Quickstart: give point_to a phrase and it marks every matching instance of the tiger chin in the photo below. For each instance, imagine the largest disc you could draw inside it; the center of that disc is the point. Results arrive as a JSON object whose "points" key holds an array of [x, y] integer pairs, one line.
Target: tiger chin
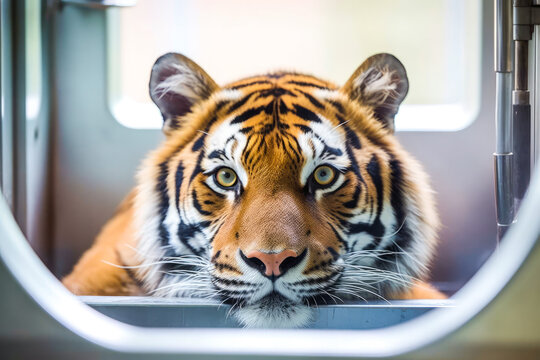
{"points": [[274, 194]]}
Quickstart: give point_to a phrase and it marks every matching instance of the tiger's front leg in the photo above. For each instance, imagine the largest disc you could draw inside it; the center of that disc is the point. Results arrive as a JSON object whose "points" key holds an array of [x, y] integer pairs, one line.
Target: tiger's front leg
{"points": [[103, 269]]}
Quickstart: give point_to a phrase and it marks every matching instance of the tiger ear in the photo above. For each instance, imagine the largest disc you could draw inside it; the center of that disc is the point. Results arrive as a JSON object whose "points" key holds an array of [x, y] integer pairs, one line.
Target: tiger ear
{"points": [[176, 85], [380, 82]]}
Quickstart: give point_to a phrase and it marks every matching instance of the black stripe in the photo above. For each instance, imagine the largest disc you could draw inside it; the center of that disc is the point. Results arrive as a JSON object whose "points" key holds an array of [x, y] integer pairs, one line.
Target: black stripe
{"points": [[234, 297], [305, 83], [339, 238], [247, 149], [179, 178], [214, 117], [213, 191], [397, 200], [251, 83], [305, 129], [274, 92], [403, 237], [354, 165], [198, 168], [220, 104], [353, 203], [188, 231], [283, 109], [337, 105], [239, 103], [375, 229], [223, 266], [344, 214], [345, 183], [197, 145], [297, 146], [197, 205], [218, 154], [352, 138], [312, 281], [312, 99], [161, 188], [246, 115], [330, 150], [333, 252], [396, 174], [374, 170], [228, 282], [287, 144], [306, 114]]}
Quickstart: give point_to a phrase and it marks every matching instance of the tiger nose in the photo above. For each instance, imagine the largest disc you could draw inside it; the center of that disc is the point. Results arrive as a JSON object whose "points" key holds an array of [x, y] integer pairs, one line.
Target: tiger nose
{"points": [[273, 264]]}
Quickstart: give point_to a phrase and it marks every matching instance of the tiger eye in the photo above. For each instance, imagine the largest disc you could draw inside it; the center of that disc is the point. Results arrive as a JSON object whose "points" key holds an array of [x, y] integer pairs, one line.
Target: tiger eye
{"points": [[226, 177], [324, 175]]}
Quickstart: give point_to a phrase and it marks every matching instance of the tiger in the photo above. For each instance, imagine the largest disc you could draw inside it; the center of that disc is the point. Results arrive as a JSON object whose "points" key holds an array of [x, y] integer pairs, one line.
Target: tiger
{"points": [[274, 194]]}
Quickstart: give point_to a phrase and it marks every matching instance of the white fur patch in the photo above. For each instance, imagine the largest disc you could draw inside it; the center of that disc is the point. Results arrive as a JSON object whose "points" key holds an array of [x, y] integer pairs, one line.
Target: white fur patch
{"points": [[326, 94], [268, 314], [378, 85], [184, 82], [228, 95], [147, 223]]}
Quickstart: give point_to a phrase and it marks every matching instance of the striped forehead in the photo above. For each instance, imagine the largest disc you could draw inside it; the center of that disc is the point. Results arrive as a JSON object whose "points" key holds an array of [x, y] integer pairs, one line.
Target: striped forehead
{"points": [[303, 127]]}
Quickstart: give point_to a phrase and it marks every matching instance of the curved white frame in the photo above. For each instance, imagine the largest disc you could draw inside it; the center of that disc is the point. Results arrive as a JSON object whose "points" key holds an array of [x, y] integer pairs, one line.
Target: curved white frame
{"points": [[47, 291]]}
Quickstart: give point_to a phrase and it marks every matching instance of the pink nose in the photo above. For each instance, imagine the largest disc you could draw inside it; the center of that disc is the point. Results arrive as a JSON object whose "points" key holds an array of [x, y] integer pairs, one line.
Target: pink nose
{"points": [[272, 261]]}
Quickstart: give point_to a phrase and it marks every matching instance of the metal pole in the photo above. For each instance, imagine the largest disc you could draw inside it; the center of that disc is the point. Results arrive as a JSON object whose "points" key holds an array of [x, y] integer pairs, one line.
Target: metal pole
{"points": [[521, 107], [503, 156]]}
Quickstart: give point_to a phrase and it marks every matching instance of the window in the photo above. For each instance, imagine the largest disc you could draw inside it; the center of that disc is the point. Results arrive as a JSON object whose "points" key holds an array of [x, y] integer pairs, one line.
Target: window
{"points": [[33, 59], [438, 42]]}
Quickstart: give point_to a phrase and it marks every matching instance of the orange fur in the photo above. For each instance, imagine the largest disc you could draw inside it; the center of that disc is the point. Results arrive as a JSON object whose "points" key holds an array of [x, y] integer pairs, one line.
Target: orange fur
{"points": [[94, 274], [420, 290]]}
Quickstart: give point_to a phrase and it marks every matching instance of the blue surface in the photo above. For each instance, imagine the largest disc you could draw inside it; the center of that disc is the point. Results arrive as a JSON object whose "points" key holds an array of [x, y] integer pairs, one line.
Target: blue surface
{"points": [[157, 312]]}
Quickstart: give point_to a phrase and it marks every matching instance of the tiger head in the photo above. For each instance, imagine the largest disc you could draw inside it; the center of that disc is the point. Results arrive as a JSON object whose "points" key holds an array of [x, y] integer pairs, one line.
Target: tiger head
{"points": [[281, 191]]}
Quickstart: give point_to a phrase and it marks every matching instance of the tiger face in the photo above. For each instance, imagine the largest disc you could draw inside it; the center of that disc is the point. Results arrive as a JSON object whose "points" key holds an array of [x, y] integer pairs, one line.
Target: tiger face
{"points": [[281, 191]]}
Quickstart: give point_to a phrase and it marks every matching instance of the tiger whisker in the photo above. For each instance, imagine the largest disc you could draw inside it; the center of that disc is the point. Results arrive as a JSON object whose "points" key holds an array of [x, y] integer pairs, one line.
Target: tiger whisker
{"points": [[362, 281], [229, 313], [375, 275], [350, 292], [137, 266], [378, 278], [333, 297], [375, 285], [343, 123], [416, 261], [351, 286], [395, 233], [184, 283]]}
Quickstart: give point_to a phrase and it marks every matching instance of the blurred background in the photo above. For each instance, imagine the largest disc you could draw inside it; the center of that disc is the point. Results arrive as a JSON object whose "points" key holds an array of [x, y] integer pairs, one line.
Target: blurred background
{"points": [[438, 41]]}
